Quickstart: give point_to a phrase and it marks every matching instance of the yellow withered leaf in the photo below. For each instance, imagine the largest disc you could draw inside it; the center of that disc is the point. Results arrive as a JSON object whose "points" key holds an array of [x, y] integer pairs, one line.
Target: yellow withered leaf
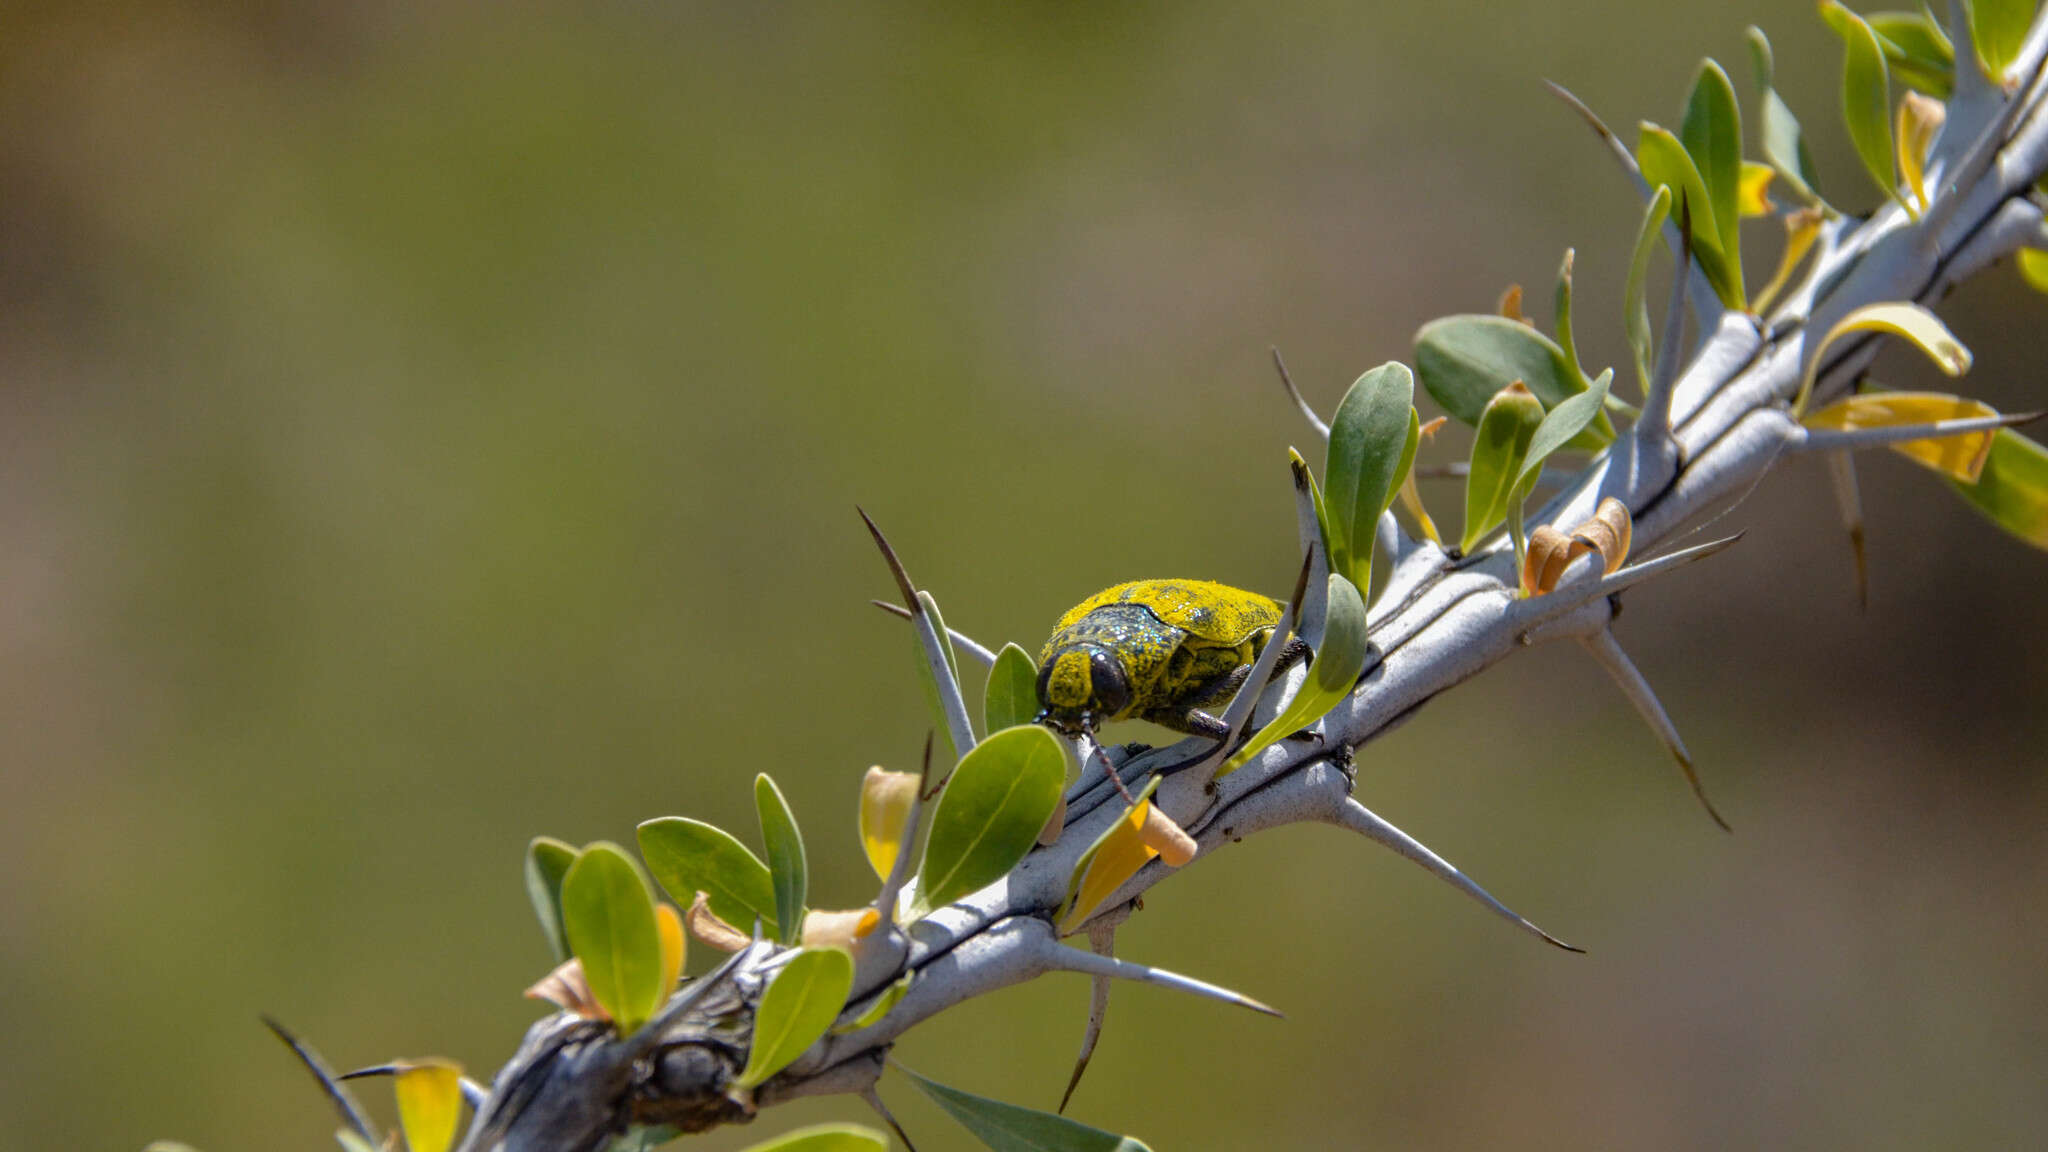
{"points": [[1920, 118], [886, 800], [1898, 318], [429, 1104], [1510, 304], [567, 988], [1169, 840], [1609, 532], [1802, 228], [1549, 553], [705, 925], [1753, 192], [838, 929], [668, 925], [1960, 456], [1114, 859]]}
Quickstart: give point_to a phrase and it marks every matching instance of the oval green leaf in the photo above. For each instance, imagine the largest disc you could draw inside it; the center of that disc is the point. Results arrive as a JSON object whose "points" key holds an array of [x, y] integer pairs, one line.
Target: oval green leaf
{"points": [[1712, 134], [1505, 429], [1368, 438], [1330, 678], [608, 914], [1917, 51], [1012, 695], [690, 856], [2012, 488], [2000, 29], [1464, 360], [1013, 1128], [801, 1002], [990, 814], [879, 1007], [825, 1138], [1635, 306], [1866, 96], [1561, 425], [1783, 145], [547, 861], [1666, 163], [787, 870]]}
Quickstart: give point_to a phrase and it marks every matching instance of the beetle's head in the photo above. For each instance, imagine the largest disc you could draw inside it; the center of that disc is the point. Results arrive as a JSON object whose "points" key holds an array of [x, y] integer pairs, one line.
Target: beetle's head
{"points": [[1080, 686]]}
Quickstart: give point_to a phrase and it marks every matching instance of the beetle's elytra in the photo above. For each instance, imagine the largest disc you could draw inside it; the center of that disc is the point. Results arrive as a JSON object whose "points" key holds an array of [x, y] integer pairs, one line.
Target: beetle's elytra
{"points": [[1158, 650]]}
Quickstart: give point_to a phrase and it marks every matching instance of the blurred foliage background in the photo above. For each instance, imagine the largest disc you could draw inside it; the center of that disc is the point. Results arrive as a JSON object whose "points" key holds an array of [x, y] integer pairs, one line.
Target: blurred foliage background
{"points": [[431, 425]]}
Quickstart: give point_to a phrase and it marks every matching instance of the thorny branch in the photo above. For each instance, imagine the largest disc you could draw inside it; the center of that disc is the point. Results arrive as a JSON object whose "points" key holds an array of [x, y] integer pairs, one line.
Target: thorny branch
{"points": [[1440, 620]]}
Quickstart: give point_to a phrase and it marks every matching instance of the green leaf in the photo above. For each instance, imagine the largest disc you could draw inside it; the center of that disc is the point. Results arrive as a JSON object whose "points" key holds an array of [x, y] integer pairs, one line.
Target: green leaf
{"points": [[547, 861], [890, 997], [1409, 446], [1917, 51], [1013, 1128], [801, 1002], [608, 913], [825, 1138], [990, 814], [1561, 322], [1665, 162], [1464, 360], [933, 697], [1561, 425], [1012, 695], [1368, 437], [1505, 429], [1783, 145], [1866, 96], [787, 869], [2000, 29], [1331, 676], [1712, 135], [1635, 305], [690, 856], [2013, 487]]}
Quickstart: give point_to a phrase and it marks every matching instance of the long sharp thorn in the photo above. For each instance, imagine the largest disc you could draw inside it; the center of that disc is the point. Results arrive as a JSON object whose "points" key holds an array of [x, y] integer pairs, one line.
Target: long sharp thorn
{"points": [[1540, 610], [1362, 820], [1849, 502], [874, 1100], [1287, 382], [903, 583], [1841, 439], [473, 1093], [1239, 712], [979, 653], [960, 728], [1608, 652], [1102, 938], [344, 1103], [1607, 136], [1061, 958]]}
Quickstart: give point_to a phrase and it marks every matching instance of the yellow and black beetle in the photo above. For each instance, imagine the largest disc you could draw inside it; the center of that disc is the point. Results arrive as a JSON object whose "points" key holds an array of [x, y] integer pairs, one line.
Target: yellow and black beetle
{"points": [[1158, 650]]}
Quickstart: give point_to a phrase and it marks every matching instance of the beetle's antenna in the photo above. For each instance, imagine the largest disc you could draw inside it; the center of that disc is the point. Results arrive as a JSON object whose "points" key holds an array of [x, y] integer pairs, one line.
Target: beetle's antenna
{"points": [[1099, 750]]}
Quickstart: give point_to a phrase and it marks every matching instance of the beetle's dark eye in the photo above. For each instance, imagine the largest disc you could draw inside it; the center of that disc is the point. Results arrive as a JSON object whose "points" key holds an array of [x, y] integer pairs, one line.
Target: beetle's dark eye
{"points": [[1112, 689]]}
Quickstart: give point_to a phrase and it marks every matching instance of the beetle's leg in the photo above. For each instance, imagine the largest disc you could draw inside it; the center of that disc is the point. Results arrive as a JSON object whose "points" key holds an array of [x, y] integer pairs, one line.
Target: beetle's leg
{"points": [[1188, 716]]}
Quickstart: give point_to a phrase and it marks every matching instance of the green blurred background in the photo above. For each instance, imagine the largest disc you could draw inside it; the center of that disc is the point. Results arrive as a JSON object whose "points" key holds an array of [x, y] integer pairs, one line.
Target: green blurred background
{"points": [[429, 425]]}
